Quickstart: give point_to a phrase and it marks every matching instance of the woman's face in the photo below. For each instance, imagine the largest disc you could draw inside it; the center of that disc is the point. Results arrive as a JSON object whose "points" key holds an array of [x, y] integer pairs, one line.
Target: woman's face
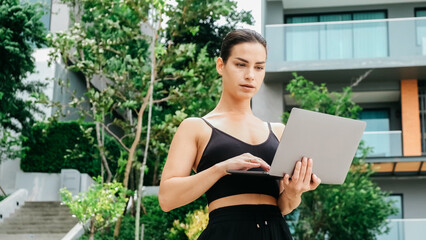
{"points": [[244, 71]]}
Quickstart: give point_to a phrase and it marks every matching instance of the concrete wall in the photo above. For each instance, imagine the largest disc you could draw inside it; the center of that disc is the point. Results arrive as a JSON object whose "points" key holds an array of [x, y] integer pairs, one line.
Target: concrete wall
{"points": [[413, 190], [268, 103], [45, 186]]}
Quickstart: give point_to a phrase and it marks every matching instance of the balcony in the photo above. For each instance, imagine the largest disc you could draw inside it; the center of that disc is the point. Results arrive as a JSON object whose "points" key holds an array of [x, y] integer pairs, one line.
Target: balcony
{"points": [[346, 44], [384, 143], [405, 229]]}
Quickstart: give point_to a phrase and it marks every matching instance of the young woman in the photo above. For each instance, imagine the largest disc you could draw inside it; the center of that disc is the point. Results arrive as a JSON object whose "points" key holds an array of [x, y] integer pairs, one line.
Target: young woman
{"points": [[231, 138]]}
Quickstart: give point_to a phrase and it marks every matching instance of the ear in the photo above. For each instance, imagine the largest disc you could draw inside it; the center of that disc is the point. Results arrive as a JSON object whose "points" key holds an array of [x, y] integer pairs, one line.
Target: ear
{"points": [[219, 65]]}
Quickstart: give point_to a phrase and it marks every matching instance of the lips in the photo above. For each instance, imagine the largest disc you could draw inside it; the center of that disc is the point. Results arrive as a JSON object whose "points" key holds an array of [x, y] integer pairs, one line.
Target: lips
{"points": [[246, 85]]}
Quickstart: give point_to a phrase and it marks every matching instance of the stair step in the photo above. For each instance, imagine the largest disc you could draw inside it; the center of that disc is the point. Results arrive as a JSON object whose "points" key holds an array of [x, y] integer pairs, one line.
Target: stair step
{"points": [[38, 220], [41, 203], [44, 213], [35, 230], [52, 236]]}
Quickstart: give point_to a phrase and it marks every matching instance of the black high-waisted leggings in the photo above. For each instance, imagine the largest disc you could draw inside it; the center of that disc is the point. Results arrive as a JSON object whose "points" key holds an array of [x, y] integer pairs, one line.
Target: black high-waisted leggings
{"points": [[257, 222]]}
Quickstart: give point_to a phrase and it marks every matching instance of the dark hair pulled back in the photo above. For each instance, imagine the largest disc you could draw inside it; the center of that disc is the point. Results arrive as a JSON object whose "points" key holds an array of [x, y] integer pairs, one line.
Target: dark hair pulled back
{"points": [[239, 36]]}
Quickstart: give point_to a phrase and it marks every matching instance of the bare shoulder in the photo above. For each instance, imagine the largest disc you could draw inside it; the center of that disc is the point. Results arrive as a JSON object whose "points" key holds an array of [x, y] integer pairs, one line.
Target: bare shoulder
{"points": [[278, 129], [193, 126]]}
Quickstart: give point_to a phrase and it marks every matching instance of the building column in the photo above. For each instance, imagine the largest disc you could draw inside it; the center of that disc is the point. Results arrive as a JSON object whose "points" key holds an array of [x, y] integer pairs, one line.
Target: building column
{"points": [[411, 138], [268, 103]]}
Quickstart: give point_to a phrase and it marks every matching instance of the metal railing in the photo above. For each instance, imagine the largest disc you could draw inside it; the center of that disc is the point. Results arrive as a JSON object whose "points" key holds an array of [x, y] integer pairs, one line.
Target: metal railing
{"points": [[395, 37]]}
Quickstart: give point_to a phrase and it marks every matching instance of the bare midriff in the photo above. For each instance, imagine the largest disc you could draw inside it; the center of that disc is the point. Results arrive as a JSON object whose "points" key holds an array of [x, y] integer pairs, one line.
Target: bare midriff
{"points": [[243, 199]]}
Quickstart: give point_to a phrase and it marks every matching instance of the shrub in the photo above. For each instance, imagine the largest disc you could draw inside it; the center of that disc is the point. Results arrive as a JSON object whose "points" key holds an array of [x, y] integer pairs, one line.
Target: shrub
{"points": [[194, 225], [102, 204], [59, 145], [158, 223], [127, 231]]}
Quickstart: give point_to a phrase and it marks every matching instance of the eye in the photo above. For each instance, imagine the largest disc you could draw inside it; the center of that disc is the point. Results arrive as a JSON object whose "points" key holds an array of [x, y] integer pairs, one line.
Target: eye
{"points": [[260, 67], [240, 64]]}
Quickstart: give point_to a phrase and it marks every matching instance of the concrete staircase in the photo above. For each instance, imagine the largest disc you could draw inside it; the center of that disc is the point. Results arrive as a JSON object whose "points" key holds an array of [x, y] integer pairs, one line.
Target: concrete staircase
{"points": [[38, 221]]}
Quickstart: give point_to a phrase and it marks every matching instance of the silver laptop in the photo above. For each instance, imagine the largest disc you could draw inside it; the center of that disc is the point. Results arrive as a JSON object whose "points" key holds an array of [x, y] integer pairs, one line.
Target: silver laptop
{"points": [[329, 140]]}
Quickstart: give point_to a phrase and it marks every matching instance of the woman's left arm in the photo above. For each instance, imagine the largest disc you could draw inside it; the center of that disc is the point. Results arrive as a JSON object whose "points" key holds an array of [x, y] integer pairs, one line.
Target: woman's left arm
{"points": [[291, 189]]}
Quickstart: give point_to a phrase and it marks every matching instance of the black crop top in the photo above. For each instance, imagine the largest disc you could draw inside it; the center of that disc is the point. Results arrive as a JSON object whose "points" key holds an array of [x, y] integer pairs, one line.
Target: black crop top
{"points": [[223, 146]]}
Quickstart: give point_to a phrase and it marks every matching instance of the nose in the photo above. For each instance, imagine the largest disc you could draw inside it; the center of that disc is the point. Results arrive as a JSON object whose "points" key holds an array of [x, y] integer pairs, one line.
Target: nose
{"points": [[249, 74]]}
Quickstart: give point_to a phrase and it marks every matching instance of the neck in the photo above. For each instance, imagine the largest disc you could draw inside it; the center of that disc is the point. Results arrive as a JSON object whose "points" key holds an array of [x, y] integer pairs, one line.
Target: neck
{"points": [[234, 106]]}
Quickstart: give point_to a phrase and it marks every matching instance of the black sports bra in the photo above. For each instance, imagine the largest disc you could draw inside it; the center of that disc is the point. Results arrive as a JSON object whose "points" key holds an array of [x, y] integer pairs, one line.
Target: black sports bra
{"points": [[223, 146]]}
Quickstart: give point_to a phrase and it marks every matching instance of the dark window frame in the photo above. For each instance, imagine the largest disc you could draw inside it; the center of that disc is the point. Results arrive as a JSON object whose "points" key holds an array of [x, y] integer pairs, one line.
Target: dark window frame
{"points": [[385, 11], [415, 15], [402, 202]]}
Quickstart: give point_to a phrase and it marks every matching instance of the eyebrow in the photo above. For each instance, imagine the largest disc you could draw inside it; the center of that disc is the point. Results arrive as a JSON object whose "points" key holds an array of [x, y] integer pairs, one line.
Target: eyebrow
{"points": [[243, 60]]}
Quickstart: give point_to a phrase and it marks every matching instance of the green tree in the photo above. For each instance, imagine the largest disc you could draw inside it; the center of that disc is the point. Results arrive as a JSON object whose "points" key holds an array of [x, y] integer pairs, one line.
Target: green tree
{"points": [[122, 46], [357, 209], [102, 205], [20, 30], [196, 23]]}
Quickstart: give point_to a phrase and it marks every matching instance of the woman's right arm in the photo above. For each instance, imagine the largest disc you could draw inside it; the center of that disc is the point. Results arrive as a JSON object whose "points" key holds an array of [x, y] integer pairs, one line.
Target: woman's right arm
{"points": [[177, 187]]}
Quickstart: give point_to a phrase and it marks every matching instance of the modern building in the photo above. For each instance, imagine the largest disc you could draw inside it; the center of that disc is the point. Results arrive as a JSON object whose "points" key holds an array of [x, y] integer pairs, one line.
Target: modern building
{"points": [[382, 41]]}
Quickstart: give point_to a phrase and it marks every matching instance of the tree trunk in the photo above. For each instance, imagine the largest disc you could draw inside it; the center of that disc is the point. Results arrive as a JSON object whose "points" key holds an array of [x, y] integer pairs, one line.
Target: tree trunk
{"points": [[148, 133], [92, 229], [132, 155], [101, 147], [155, 171]]}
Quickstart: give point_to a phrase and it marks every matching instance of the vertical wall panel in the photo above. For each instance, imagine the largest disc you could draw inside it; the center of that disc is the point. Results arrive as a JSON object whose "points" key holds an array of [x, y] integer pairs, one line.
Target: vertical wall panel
{"points": [[410, 118]]}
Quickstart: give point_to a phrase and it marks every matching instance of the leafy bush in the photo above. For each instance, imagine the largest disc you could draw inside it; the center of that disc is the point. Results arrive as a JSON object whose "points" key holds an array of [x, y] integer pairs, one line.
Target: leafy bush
{"points": [[158, 223], [102, 204], [194, 225], [127, 231], [58, 145]]}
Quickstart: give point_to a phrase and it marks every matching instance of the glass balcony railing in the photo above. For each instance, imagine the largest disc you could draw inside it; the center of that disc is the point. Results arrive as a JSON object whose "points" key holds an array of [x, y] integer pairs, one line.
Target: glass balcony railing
{"points": [[346, 39], [383, 143], [405, 229]]}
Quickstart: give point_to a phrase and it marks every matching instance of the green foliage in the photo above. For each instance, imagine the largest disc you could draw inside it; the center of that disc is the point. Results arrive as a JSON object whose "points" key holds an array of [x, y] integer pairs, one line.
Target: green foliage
{"points": [[354, 210], [2, 197], [319, 99], [58, 145], [158, 223], [20, 30], [194, 29], [193, 21], [102, 204], [127, 231], [194, 225]]}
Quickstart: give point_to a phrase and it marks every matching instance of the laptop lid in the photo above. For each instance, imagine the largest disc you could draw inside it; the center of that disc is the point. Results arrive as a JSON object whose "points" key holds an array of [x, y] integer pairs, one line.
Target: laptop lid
{"points": [[330, 141]]}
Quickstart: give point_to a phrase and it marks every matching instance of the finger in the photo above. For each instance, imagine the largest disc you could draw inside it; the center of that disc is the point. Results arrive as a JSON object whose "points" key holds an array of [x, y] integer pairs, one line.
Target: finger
{"points": [[308, 171], [303, 169], [282, 185], [251, 163], [253, 159], [316, 181], [263, 164], [296, 172], [286, 179]]}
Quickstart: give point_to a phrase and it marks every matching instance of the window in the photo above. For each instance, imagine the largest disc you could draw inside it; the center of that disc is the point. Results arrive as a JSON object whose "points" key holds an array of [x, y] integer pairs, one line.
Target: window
{"points": [[47, 4], [397, 203], [377, 120], [377, 134], [420, 26], [336, 41]]}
